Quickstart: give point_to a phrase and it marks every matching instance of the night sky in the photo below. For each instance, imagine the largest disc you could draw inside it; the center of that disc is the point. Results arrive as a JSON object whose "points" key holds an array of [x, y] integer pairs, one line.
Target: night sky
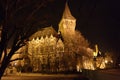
{"points": [[97, 20]]}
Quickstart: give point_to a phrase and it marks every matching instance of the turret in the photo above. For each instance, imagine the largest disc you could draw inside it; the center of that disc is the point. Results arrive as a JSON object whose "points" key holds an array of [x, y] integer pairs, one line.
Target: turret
{"points": [[67, 23]]}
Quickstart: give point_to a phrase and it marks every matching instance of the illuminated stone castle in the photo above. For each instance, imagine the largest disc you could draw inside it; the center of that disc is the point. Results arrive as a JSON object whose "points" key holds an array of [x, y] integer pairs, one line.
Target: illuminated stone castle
{"points": [[65, 50], [45, 53], [48, 50]]}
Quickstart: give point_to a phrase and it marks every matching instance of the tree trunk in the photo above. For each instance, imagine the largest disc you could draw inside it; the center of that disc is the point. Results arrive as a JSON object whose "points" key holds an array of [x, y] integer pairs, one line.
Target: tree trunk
{"points": [[1, 73], [3, 66], [2, 70]]}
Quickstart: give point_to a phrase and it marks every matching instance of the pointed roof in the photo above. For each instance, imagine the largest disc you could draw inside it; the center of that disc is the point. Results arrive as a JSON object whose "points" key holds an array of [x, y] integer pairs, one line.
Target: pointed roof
{"points": [[43, 32], [60, 43], [67, 14]]}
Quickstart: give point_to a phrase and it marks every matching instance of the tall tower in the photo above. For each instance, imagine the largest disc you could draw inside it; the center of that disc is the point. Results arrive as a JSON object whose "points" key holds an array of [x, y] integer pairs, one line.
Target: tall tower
{"points": [[67, 23]]}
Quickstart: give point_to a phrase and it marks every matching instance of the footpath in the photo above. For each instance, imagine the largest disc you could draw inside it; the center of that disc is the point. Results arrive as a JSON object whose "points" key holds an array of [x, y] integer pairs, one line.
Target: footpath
{"points": [[38, 76]]}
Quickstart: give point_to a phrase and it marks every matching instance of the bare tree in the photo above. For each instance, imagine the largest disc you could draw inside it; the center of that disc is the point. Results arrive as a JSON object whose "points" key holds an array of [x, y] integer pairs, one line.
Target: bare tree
{"points": [[77, 43], [18, 21], [76, 46]]}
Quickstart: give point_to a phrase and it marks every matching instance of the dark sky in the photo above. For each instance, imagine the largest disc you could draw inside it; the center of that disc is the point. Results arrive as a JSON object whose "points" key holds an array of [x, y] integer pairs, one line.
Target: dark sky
{"points": [[97, 20]]}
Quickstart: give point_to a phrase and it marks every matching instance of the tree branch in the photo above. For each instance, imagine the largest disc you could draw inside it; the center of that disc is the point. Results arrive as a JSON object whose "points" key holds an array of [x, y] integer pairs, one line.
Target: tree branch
{"points": [[16, 59], [35, 10]]}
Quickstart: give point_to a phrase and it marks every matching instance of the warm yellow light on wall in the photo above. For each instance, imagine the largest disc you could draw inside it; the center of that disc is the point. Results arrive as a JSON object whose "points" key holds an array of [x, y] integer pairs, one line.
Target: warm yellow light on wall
{"points": [[94, 54], [106, 61]]}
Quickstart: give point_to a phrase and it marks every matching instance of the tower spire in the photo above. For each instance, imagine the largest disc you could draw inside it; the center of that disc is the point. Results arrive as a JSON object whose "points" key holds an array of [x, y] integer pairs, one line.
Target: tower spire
{"points": [[67, 14]]}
